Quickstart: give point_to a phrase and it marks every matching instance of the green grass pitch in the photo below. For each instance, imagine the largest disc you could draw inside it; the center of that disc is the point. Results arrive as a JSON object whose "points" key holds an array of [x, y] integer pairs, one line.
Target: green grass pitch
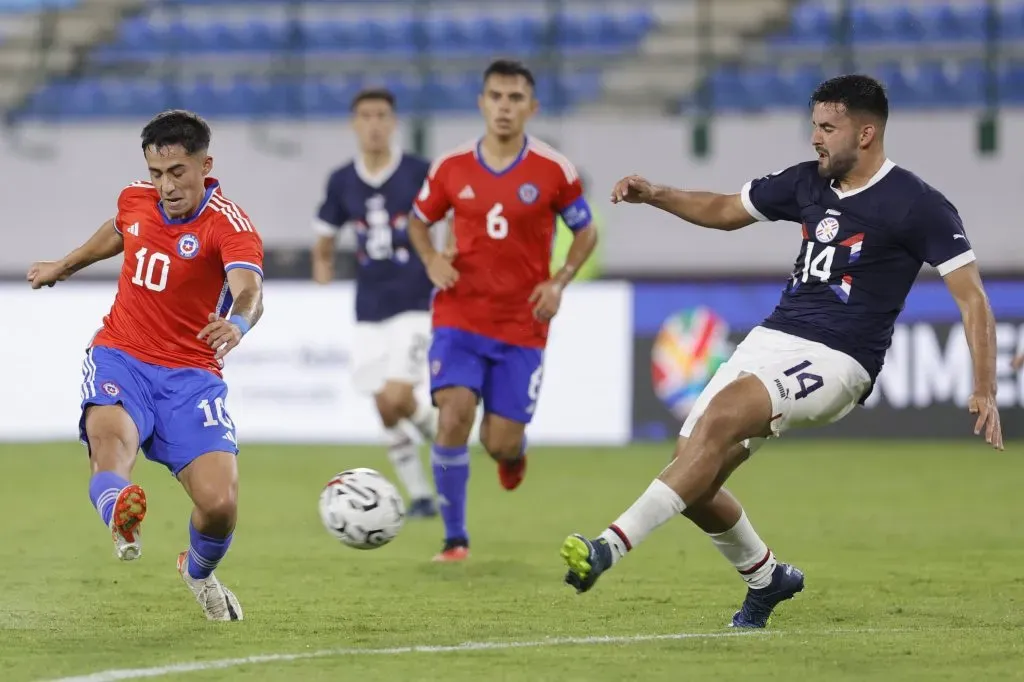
{"points": [[914, 556]]}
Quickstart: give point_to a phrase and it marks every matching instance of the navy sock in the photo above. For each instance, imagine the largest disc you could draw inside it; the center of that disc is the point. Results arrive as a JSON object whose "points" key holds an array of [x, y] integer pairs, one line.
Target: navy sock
{"points": [[451, 476], [104, 487], [205, 552]]}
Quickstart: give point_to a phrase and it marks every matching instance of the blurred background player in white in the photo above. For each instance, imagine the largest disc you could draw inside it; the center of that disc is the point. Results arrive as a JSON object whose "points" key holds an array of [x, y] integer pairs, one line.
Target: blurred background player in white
{"points": [[868, 227], [373, 195]]}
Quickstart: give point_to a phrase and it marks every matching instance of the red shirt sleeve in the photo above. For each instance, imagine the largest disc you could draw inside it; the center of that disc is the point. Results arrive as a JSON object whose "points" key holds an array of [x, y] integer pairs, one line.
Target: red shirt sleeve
{"points": [[239, 244], [433, 204]]}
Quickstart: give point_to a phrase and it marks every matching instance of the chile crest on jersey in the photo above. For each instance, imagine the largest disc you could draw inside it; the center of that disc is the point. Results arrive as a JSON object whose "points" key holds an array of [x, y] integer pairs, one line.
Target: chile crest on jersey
{"points": [[188, 246]]}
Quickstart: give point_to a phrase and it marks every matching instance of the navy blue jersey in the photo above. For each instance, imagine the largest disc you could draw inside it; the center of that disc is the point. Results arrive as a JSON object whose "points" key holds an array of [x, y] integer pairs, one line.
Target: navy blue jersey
{"points": [[391, 278], [861, 252]]}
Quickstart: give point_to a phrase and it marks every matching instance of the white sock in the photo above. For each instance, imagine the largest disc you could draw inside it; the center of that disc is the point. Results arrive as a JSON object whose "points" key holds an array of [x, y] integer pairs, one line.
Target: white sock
{"points": [[743, 548], [405, 458], [658, 504], [425, 420]]}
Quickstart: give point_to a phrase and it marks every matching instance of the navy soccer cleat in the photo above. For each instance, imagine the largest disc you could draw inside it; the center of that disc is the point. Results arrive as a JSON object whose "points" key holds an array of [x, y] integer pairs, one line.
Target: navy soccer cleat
{"points": [[423, 508], [586, 559], [759, 604]]}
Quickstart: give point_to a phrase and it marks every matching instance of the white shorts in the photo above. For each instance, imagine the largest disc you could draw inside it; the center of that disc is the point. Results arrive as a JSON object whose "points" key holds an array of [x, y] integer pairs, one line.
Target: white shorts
{"points": [[809, 383], [394, 349]]}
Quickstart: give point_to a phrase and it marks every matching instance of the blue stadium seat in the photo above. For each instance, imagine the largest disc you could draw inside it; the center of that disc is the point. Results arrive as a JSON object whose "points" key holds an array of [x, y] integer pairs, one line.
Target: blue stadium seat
{"points": [[20, 6], [454, 35]]}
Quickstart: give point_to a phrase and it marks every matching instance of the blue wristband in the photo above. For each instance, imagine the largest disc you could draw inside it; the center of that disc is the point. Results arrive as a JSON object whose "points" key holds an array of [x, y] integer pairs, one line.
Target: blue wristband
{"points": [[240, 322]]}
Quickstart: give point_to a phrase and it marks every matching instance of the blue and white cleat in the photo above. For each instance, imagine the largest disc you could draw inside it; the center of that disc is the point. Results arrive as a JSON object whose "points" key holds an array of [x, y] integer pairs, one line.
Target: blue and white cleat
{"points": [[586, 559], [759, 604]]}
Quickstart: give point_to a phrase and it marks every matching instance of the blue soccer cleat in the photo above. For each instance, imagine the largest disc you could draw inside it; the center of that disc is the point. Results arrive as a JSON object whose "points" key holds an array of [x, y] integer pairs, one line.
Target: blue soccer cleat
{"points": [[423, 508], [586, 559], [759, 604]]}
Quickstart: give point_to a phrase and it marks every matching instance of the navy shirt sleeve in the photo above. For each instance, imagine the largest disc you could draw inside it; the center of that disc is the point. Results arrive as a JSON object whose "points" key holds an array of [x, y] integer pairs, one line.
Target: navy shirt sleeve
{"points": [[773, 197], [935, 234], [332, 214]]}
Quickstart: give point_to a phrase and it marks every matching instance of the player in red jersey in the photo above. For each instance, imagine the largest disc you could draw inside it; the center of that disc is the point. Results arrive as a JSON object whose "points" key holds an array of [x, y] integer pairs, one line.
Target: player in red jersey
{"points": [[495, 298], [152, 372]]}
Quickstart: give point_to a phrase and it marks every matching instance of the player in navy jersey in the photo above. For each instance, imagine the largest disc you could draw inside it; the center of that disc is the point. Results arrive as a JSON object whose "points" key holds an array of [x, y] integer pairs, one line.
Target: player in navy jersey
{"points": [[867, 227], [374, 194]]}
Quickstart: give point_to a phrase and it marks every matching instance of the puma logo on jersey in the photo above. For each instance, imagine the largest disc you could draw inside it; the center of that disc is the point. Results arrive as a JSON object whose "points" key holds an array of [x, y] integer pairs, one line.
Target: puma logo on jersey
{"points": [[832, 211], [134, 230], [467, 193], [959, 236]]}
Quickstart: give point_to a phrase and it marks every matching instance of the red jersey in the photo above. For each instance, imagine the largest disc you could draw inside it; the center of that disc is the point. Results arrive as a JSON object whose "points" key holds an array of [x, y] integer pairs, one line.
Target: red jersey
{"points": [[504, 230], [175, 274]]}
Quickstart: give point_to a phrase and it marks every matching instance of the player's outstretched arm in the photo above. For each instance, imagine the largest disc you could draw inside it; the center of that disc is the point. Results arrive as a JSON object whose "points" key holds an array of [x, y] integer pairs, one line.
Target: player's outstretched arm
{"points": [[965, 285], [105, 243], [247, 292], [439, 266], [707, 209]]}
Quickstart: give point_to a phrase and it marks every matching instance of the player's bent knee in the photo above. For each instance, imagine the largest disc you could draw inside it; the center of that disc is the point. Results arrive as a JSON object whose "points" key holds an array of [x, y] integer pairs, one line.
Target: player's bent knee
{"points": [[456, 414], [396, 401], [502, 438]]}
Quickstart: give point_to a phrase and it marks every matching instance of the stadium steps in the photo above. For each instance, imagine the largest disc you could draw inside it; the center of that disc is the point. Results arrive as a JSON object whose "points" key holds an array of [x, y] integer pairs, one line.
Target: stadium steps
{"points": [[40, 45], [667, 62]]}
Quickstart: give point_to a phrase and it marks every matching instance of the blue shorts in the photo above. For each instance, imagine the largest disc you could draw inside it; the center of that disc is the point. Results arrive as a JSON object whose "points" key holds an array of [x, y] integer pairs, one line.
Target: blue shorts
{"points": [[180, 413], [506, 377]]}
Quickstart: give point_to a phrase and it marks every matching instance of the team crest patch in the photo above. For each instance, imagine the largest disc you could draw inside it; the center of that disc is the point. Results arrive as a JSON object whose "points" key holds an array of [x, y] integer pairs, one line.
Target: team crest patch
{"points": [[188, 246], [827, 230], [111, 389], [528, 193]]}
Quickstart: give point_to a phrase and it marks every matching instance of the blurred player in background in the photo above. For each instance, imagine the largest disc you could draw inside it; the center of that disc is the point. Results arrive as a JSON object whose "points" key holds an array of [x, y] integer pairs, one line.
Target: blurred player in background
{"points": [[190, 288], [496, 296], [374, 194], [868, 226]]}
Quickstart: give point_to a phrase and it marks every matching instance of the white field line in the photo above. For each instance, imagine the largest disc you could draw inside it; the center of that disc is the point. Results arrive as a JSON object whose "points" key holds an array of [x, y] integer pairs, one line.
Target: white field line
{"points": [[115, 675], [201, 666]]}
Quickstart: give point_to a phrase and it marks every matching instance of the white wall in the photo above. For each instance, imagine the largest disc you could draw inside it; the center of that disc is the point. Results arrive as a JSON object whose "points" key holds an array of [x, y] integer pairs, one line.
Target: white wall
{"points": [[52, 201]]}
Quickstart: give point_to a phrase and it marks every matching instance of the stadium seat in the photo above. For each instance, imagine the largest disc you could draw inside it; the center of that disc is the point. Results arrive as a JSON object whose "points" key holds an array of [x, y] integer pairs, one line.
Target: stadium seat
{"points": [[20, 6]]}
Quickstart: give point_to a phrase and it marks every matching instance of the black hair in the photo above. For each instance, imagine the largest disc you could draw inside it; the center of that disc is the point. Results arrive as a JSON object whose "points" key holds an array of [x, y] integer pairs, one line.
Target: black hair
{"points": [[371, 94], [510, 67], [857, 94], [177, 127]]}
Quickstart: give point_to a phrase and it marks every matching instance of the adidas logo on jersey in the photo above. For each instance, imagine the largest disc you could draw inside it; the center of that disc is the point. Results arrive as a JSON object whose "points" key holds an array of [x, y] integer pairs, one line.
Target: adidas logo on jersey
{"points": [[467, 193], [134, 229]]}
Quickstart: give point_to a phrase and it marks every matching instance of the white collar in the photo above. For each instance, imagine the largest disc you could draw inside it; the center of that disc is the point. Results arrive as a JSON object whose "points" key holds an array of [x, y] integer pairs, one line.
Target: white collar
{"points": [[875, 179], [384, 174]]}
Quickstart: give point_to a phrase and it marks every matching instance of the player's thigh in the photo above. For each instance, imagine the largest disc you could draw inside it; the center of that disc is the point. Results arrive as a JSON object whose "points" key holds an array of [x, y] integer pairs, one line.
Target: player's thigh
{"points": [[408, 342], [811, 385], [117, 408], [211, 481], [760, 349], [192, 419], [513, 383], [369, 356]]}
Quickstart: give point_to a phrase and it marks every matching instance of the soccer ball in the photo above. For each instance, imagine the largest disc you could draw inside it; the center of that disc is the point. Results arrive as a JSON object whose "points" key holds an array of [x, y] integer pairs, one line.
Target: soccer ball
{"points": [[362, 509]]}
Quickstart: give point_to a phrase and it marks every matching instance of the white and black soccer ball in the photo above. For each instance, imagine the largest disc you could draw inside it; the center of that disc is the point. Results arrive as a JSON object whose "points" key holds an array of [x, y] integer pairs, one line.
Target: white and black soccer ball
{"points": [[362, 509]]}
